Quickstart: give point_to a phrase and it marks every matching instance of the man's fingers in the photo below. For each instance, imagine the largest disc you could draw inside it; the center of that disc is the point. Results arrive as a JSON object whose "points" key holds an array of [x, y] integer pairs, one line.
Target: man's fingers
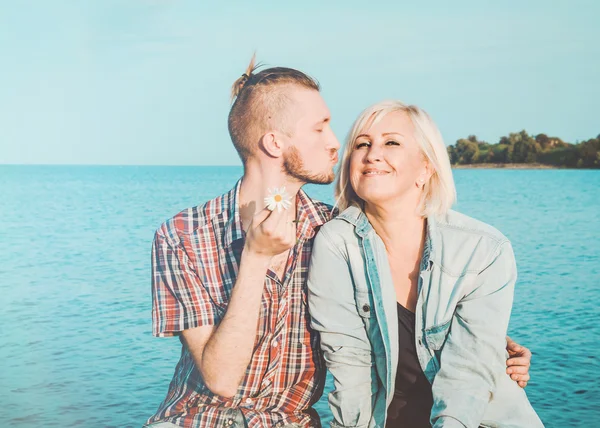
{"points": [[522, 383], [273, 220], [261, 216], [281, 227], [515, 348], [518, 361], [520, 378], [517, 370]]}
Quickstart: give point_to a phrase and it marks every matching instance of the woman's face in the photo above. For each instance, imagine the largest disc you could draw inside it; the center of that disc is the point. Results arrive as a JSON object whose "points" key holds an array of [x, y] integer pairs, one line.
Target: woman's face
{"points": [[386, 163]]}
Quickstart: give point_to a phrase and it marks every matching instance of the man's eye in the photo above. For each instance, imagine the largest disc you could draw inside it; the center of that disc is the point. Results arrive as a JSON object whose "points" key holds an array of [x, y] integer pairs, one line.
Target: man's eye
{"points": [[320, 130]]}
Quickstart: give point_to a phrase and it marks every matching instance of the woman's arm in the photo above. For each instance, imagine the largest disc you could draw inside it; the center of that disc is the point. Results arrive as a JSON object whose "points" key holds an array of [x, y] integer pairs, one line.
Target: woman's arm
{"points": [[344, 340], [473, 357]]}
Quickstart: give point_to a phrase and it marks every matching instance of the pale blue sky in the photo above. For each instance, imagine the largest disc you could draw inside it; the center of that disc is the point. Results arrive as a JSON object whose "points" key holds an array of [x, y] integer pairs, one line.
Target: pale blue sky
{"points": [[147, 81]]}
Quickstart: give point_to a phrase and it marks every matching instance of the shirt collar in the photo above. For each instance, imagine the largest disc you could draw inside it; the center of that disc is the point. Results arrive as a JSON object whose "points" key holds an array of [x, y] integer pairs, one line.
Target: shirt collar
{"points": [[310, 213], [354, 215], [233, 224]]}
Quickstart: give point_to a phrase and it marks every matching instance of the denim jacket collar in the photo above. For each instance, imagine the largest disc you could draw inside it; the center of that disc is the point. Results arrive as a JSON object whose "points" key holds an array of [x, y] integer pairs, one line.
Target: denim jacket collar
{"points": [[355, 216]]}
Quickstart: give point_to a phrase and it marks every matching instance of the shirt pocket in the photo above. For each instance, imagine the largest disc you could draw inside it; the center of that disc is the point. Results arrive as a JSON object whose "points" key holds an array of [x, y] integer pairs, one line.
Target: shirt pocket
{"points": [[435, 337]]}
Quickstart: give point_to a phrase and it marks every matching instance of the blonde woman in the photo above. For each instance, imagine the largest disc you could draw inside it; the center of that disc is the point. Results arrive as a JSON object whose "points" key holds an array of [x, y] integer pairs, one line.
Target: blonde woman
{"points": [[412, 300]]}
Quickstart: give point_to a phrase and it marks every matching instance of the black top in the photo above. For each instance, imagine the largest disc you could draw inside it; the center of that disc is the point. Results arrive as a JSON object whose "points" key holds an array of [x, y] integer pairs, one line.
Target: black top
{"points": [[412, 402]]}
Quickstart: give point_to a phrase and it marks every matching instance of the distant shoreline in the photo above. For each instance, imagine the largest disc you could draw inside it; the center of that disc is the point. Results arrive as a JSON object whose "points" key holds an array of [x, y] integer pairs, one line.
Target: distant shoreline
{"points": [[506, 166]]}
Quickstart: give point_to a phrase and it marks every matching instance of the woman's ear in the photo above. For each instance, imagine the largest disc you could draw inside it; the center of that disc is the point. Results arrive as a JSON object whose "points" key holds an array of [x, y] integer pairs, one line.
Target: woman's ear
{"points": [[425, 175]]}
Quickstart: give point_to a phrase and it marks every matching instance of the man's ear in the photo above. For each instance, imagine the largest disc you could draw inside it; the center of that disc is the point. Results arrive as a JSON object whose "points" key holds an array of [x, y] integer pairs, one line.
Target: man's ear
{"points": [[272, 144]]}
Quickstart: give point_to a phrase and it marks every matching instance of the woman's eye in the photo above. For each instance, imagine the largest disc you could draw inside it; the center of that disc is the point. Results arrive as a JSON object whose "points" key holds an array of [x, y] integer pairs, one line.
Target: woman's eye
{"points": [[362, 144], [393, 143]]}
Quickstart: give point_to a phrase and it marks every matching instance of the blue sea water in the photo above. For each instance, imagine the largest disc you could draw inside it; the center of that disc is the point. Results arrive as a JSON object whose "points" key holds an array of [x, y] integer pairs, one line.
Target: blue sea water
{"points": [[75, 333]]}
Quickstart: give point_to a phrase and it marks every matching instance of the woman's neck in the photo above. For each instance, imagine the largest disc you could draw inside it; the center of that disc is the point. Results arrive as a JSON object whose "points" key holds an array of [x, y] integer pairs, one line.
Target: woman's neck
{"points": [[398, 226]]}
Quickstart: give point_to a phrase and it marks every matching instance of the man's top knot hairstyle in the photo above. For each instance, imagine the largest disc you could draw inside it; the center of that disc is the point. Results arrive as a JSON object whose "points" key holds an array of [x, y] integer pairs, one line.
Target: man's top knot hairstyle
{"points": [[239, 83], [259, 103]]}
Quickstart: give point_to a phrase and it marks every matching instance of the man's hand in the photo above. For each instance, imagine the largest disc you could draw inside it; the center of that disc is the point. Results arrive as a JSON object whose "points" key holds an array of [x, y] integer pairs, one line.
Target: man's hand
{"points": [[518, 362], [270, 233]]}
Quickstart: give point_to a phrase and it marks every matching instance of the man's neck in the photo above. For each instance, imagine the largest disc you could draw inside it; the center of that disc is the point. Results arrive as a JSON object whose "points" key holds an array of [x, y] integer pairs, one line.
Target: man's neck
{"points": [[256, 183]]}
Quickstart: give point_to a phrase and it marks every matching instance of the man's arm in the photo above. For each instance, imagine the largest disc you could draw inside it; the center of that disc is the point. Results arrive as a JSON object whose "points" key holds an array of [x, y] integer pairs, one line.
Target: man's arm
{"points": [[222, 353]]}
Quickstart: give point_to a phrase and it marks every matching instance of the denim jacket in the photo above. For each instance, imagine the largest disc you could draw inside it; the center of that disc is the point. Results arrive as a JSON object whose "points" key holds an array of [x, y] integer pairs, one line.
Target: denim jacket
{"points": [[465, 295]]}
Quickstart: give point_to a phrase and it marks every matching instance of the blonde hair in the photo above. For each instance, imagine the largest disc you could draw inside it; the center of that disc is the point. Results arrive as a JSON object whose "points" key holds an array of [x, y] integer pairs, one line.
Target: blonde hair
{"points": [[261, 103], [439, 192]]}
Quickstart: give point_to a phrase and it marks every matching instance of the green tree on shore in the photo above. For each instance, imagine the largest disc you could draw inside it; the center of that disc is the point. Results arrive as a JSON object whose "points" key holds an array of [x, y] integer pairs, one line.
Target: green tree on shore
{"points": [[589, 153], [520, 147]]}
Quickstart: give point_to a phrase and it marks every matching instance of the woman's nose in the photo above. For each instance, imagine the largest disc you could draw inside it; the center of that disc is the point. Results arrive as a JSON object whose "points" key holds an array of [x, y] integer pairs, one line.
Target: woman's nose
{"points": [[374, 154]]}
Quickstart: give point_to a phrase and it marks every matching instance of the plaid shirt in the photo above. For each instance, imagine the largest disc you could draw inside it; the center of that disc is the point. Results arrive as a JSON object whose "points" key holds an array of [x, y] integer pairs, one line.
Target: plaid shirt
{"points": [[195, 261]]}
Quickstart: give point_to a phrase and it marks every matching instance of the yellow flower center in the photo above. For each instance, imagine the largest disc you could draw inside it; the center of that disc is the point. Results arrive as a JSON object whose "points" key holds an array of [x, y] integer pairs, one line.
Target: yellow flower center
{"points": [[277, 198]]}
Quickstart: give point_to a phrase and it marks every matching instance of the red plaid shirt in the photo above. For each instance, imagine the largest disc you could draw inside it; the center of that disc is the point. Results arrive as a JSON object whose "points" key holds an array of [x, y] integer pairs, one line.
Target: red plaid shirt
{"points": [[195, 261]]}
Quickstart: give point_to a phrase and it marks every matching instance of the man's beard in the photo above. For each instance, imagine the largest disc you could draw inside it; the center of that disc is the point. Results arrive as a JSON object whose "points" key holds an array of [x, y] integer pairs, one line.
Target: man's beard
{"points": [[294, 167]]}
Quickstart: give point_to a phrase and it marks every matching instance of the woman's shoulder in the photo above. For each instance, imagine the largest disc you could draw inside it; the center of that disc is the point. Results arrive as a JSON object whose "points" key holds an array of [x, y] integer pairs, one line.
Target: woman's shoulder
{"points": [[340, 231], [344, 224], [469, 245], [456, 223]]}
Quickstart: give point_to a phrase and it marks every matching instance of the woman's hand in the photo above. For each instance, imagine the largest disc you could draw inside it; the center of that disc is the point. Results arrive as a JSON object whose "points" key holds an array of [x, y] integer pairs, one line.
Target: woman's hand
{"points": [[517, 366]]}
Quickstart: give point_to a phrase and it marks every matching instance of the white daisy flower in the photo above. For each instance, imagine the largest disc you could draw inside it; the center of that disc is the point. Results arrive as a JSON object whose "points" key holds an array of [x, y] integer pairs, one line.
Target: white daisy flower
{"points": [[278, 198]]}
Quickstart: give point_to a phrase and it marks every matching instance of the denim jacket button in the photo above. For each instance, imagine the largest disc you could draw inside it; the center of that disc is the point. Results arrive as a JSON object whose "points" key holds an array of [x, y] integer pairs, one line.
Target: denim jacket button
{"points": [[366, 308]]}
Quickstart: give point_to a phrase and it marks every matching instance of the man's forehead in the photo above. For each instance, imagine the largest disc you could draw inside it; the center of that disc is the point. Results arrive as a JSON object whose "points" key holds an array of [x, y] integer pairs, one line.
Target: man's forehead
{"points": [[311, 105]]}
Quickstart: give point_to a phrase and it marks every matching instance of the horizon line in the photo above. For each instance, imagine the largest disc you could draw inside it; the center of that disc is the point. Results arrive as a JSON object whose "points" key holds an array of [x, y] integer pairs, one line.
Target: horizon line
{"points": [[117, 164]]}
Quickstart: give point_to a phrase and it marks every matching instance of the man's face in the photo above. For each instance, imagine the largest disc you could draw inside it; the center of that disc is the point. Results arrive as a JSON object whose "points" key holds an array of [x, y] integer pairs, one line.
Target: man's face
{"points": [[312, 148]]}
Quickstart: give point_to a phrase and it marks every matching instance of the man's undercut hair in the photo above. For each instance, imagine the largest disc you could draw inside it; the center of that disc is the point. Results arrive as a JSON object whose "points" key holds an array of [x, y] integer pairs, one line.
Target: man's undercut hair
{"points": [[262, 103]]}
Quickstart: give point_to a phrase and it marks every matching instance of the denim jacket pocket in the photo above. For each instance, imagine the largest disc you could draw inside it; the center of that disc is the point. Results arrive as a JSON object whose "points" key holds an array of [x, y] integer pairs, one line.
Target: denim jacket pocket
{"points": [[436, 336]]}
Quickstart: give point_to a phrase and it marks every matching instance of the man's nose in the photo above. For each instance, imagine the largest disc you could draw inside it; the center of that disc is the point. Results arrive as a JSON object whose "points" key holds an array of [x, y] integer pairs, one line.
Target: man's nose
{"points": [[333, 142]]}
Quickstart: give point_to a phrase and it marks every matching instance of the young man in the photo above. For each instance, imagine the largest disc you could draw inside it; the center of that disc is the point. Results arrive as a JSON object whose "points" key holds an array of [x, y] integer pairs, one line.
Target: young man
{"points": [[229, 277]]}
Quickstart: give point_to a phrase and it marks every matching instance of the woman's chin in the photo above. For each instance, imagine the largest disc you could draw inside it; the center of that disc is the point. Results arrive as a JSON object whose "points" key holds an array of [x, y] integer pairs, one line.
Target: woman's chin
{"points": [[376, 198]]}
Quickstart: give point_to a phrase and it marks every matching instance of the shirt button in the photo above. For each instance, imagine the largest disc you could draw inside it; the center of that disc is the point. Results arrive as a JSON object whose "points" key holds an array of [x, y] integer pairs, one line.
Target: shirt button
{"points": [[248, 401], [366, 308], [229, 422], [283, 302], [275, 343]]}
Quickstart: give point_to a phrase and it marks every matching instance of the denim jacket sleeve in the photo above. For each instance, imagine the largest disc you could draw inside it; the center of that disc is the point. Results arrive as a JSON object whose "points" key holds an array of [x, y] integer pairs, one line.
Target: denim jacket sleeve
{"points": [[344, 341], [473, 357]]}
